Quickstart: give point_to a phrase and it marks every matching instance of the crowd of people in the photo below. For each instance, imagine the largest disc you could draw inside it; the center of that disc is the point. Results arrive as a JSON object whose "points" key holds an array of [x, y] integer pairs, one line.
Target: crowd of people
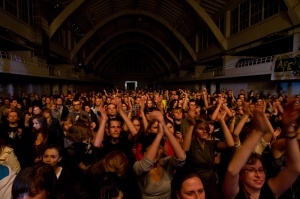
{"points": [[150, 144]]}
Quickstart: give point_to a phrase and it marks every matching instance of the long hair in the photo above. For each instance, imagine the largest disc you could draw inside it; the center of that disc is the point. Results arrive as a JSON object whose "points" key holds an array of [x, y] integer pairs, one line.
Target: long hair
{"points": [[43, 130]]}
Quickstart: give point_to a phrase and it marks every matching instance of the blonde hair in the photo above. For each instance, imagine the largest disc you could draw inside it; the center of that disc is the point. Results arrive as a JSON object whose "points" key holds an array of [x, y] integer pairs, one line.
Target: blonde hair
{"points": [[116, 162]]}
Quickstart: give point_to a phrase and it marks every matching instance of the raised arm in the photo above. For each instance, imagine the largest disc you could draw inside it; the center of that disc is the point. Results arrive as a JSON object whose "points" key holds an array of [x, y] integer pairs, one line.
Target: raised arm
{"points": [[142, 108], [100, 133], [291, 171], [218, 107], [185, 100], [189, 132], [179, 153], [227, 135], [239, 159], [151, 151], [127, 121], [205, 95], [237, 130]]}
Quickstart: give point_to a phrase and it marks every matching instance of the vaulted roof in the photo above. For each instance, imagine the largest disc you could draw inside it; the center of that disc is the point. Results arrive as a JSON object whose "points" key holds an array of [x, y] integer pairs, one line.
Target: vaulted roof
{"points": [[163, 30]]}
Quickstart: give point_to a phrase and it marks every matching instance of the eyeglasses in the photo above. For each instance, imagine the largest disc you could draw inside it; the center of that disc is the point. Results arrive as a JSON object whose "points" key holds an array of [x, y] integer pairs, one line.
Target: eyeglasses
{"points": [[254, 171]]}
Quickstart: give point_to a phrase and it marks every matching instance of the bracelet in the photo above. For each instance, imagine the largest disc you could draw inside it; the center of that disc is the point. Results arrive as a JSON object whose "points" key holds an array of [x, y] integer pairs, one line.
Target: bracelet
{"points": [[291, 137]]}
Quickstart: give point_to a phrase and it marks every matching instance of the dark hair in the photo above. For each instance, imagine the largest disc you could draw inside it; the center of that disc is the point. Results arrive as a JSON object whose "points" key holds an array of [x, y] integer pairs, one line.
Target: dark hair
{"points": [[114, 119], [36, 178], [58, 148], [253, 158], [148, 139], [46, 110], [108, 187], [79, 132], [179, 177]]}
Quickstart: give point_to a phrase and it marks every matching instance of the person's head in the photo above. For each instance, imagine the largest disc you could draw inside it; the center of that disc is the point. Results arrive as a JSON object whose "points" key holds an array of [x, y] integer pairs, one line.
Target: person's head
{"points": [[87, 108], [59, 101], [149, 104], [98, 101], [13, 103], [192, 104], [111, 109], [79, 132], [48, 100], [36, 110], [177, 114], [52, 155], [108, 100], [66, 123], [38, 181], [109, 187], [36, 96], [124, 107], [201, 129], [187, 184], [114, 128], [12, 117], [116, 162], [240, 110], [242, 97], [40, 124], [47, 113], [147, 141], [77, 105], [170, 125], [253, 174], [136, 123], [152, 127]]}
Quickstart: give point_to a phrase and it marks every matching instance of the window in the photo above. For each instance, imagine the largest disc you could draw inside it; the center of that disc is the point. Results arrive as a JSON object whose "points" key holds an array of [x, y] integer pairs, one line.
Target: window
{"points": [[244, 15], [256, 11], [11, 7], [234, 20], [23, 11], [250, 12]]}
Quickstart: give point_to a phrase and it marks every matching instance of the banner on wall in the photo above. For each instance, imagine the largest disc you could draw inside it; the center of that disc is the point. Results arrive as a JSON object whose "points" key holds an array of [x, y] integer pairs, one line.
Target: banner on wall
{"points": [[286, 66]]}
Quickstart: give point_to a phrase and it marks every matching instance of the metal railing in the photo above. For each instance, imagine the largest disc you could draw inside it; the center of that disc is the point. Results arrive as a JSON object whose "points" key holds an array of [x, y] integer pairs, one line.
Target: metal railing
{"points": [[251, 62], [24, 60], [55, 71]]}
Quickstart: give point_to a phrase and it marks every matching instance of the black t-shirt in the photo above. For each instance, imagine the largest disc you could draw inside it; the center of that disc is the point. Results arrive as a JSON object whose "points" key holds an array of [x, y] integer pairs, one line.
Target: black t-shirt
{"points": [[123, 145], [20, 143], [265, 193]]}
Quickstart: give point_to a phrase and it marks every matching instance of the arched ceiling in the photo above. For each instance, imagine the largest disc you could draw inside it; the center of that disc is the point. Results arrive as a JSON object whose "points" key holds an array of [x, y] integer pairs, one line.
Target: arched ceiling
{"points": [[162, 29]]}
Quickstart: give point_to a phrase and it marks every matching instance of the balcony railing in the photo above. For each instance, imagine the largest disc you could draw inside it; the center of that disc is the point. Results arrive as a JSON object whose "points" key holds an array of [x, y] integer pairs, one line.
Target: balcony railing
{"points": [[251, 62], [54, 71]]}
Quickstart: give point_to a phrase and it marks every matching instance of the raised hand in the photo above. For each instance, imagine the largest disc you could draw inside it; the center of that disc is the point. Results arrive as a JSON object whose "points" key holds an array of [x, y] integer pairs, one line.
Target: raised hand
{"points": [[157, 115], [259, 121], [221, 115], [142, 104], [290, 115], [118, 103], [103, 112], [191, 117]]}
